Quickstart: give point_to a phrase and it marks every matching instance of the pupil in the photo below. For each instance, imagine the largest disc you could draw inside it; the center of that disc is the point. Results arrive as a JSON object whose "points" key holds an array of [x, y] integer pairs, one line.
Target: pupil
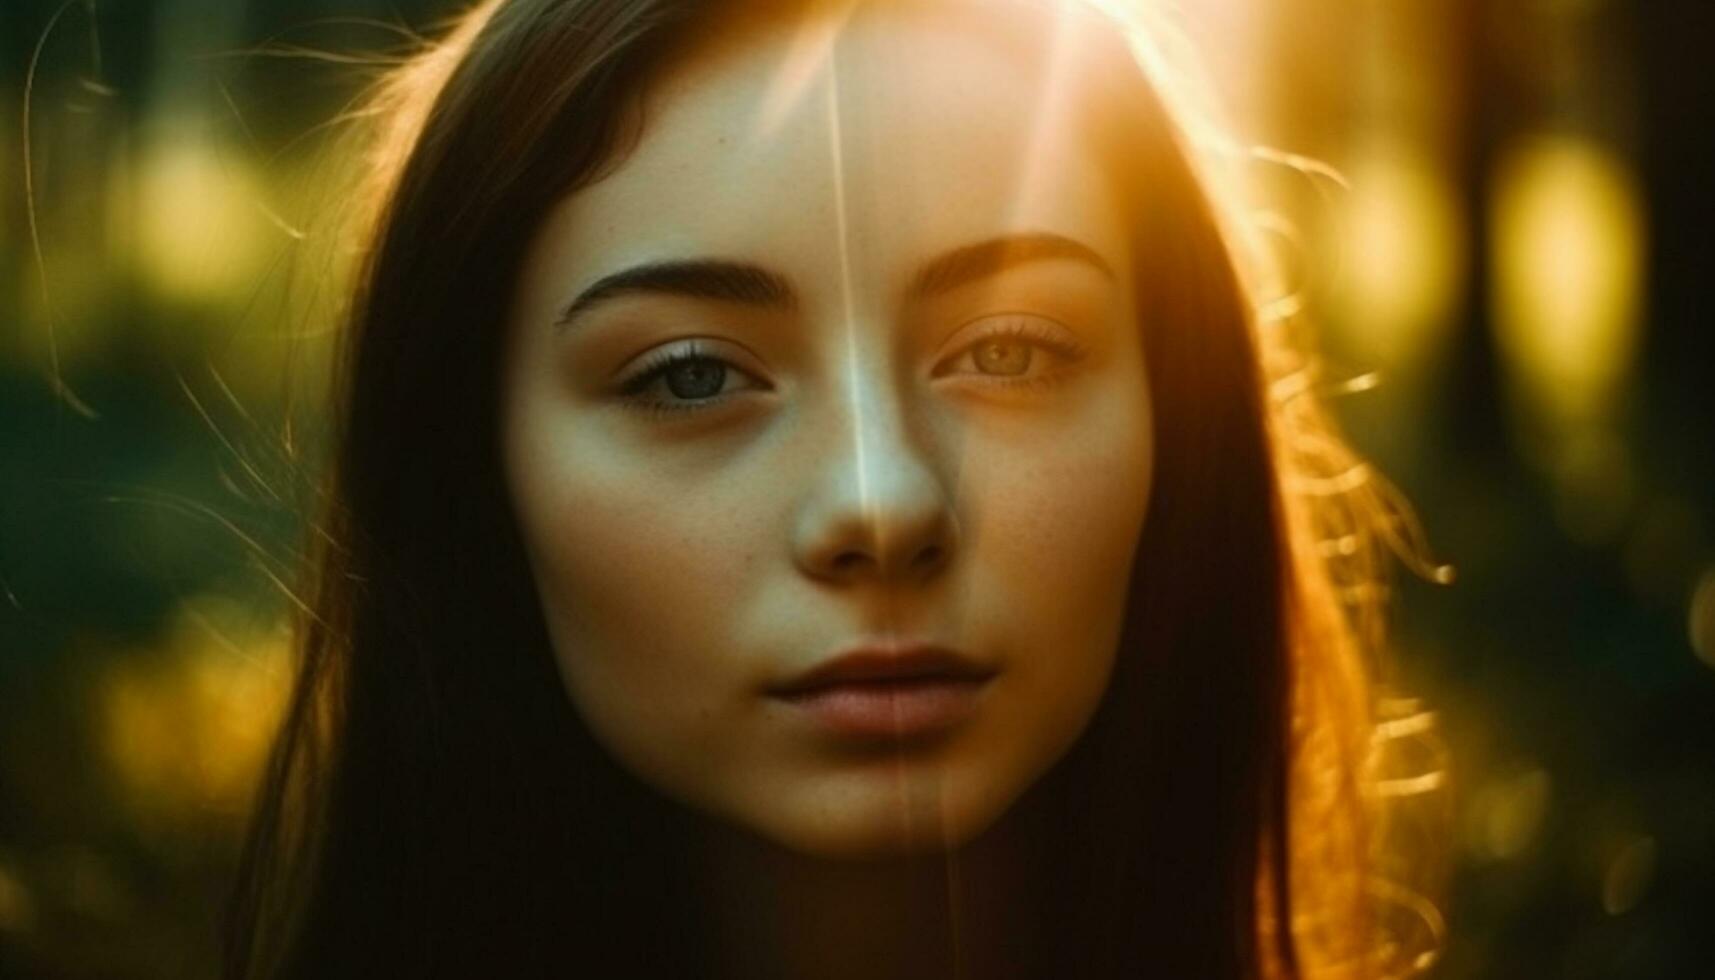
{"points": [[700, 378], [1003, 357]]}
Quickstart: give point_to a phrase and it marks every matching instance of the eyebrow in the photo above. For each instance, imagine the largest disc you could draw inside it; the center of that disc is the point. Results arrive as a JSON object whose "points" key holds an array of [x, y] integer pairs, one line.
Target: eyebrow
{"points": [[733, 282], [754, 285], [974, 263]]}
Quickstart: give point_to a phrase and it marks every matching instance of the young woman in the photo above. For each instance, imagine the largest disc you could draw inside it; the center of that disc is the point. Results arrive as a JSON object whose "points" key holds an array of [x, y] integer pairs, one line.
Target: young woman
{"points": [[810, 502]]}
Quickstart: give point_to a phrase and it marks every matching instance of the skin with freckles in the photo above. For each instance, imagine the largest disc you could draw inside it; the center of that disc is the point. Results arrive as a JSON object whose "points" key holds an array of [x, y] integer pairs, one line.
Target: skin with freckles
{"points": [[843, 352]]}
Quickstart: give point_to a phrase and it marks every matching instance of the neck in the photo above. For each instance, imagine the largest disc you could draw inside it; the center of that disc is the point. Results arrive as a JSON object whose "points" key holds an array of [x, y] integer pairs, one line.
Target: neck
{"points": [[961, 912]]}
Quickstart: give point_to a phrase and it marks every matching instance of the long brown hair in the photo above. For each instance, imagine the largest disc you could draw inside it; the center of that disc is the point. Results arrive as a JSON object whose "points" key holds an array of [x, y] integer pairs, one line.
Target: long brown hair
{"points": [[434, 807]]}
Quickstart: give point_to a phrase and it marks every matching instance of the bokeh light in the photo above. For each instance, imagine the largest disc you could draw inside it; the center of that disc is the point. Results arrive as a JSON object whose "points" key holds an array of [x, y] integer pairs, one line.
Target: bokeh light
{"points": [[1701, 625], [1628, 875], [1403, 258], [1508, 814], [201, 233], [185, 726], [1568, 234]]}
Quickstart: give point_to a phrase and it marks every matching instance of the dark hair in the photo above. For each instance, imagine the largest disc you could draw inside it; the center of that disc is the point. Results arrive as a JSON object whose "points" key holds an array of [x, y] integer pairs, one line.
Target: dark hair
{"points": [[434, 806]]}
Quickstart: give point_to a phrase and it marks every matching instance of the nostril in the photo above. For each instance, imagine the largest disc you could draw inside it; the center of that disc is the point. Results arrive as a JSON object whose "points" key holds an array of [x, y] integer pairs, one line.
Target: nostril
{"points": [[929, 557], [846, 559]]}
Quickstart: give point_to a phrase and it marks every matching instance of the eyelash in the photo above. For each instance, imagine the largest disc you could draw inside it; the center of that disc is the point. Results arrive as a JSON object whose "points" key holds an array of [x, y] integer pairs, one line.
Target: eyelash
{"points": [[656, 367]]}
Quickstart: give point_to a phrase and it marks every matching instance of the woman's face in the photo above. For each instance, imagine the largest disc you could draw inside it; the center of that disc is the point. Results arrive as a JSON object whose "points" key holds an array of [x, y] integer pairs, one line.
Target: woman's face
{"points": [[827, 427]]}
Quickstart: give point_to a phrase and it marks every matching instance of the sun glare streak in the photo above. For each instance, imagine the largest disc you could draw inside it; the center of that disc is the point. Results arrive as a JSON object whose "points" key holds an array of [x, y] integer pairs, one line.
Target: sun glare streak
{"points": [[914, 798], [1048, 116], [854, 389], [811, 52], [848, 293]]}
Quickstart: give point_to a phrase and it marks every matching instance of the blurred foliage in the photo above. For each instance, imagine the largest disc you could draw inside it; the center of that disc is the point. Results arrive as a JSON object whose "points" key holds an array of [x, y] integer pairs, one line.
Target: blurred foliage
{"points": [[1520, 256]]}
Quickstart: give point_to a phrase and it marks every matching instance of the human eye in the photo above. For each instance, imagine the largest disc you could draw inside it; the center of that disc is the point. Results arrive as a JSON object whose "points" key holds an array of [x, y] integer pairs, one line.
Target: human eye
{"points": [[688, 378], [1016, 350]]}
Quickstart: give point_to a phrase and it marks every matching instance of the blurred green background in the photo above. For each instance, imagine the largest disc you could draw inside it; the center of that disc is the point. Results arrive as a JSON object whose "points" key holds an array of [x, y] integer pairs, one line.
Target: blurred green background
{"points": [[1516, 277]]}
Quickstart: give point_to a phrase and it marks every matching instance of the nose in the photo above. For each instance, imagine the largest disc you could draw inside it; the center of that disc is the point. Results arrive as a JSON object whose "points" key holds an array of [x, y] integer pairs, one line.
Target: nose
{"points": [[878, 505]]}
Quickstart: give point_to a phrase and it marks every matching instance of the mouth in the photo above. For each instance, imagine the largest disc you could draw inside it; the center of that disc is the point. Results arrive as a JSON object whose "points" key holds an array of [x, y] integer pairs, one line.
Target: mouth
{"points": [[888, 693]]}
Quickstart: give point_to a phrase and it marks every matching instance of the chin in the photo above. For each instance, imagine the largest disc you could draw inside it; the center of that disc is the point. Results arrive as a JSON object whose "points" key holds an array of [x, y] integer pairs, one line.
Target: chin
{"points": [[886, 829]]}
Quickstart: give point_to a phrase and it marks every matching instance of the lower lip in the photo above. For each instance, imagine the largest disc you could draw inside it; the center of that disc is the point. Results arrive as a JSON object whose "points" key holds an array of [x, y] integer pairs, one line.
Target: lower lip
{"points": [[891, 709]]}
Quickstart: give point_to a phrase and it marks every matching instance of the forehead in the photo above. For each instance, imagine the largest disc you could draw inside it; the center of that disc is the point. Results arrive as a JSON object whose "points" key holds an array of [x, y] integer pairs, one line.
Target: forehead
{"points": [[857, 143]]}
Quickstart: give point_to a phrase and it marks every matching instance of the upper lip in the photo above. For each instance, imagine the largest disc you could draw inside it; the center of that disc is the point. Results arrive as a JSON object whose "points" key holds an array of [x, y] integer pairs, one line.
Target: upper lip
{"points": [[886, 662]]}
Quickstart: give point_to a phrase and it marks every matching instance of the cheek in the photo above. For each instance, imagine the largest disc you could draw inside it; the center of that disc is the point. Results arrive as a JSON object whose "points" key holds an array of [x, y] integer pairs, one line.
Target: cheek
{"points": [[1055, 542], [1062, 524], [637, 584]]}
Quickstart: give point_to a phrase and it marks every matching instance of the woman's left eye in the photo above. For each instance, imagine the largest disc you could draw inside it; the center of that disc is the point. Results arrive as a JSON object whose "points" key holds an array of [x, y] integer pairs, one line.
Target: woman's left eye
{"points": [[1018, 351]]}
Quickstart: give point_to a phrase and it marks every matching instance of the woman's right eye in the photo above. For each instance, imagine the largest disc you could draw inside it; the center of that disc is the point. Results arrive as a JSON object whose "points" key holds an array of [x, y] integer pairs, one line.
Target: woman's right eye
{"points": [[685, 379]]}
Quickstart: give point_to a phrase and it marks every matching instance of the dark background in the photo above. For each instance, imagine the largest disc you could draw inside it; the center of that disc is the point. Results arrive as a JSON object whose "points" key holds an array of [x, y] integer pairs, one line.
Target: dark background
{"points": [[1522, 259]]}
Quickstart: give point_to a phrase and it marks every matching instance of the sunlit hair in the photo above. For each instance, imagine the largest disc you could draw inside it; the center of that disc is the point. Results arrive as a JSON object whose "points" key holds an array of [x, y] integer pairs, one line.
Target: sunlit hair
{"points": [[1249, 760]]}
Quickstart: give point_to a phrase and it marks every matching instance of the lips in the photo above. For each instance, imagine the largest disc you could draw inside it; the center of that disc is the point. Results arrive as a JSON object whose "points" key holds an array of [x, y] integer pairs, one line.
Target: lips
{"points": [[888, 692], [882, 664]]}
